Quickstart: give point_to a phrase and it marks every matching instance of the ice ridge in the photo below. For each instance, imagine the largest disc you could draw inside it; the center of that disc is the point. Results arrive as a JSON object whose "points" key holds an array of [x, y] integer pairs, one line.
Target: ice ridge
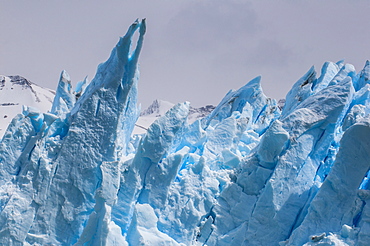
{"points": [[252, 172]]}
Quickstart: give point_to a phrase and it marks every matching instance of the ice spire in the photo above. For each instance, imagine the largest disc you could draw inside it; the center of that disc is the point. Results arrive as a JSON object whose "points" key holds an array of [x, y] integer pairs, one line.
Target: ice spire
{"points": [[64, 99], [81, 141]]}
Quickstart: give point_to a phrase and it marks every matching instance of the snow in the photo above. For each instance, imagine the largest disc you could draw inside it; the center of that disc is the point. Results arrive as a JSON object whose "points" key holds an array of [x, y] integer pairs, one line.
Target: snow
{"points": [[250, 171], [15, 92]]}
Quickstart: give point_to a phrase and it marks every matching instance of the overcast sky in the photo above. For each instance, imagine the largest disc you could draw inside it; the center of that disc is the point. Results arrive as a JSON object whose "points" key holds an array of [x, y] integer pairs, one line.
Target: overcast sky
{"points": [[193, 50]]}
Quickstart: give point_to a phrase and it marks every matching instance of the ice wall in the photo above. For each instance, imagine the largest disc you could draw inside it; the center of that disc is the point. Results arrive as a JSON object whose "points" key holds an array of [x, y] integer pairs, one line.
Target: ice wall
{"points": [[247, 174]]}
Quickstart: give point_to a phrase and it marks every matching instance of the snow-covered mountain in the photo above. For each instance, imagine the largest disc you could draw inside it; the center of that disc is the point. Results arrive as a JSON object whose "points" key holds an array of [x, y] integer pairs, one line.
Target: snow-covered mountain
{"points": [[159, 108], [253, 172], [16, 91]]}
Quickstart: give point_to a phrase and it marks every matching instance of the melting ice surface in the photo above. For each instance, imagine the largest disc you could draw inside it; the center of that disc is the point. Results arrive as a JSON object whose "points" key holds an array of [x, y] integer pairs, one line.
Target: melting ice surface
{"points": [[248, 174]]}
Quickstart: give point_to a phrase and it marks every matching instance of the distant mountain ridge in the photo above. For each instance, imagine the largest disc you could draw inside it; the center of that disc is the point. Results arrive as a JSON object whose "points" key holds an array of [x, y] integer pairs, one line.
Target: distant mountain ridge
{"points": [[16, 91], [158, 108]]}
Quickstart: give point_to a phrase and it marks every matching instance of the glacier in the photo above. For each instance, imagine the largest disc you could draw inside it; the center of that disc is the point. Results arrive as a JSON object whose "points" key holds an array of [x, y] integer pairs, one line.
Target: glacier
{"points": [[252, 172]]}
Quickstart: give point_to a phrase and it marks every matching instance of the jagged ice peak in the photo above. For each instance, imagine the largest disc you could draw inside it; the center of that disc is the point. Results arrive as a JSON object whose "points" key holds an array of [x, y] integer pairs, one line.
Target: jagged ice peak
{"points": [[251, 172]]}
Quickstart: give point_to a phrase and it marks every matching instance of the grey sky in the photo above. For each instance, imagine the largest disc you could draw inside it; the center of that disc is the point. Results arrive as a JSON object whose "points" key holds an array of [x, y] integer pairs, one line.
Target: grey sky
{"points": [[193, 50]]}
